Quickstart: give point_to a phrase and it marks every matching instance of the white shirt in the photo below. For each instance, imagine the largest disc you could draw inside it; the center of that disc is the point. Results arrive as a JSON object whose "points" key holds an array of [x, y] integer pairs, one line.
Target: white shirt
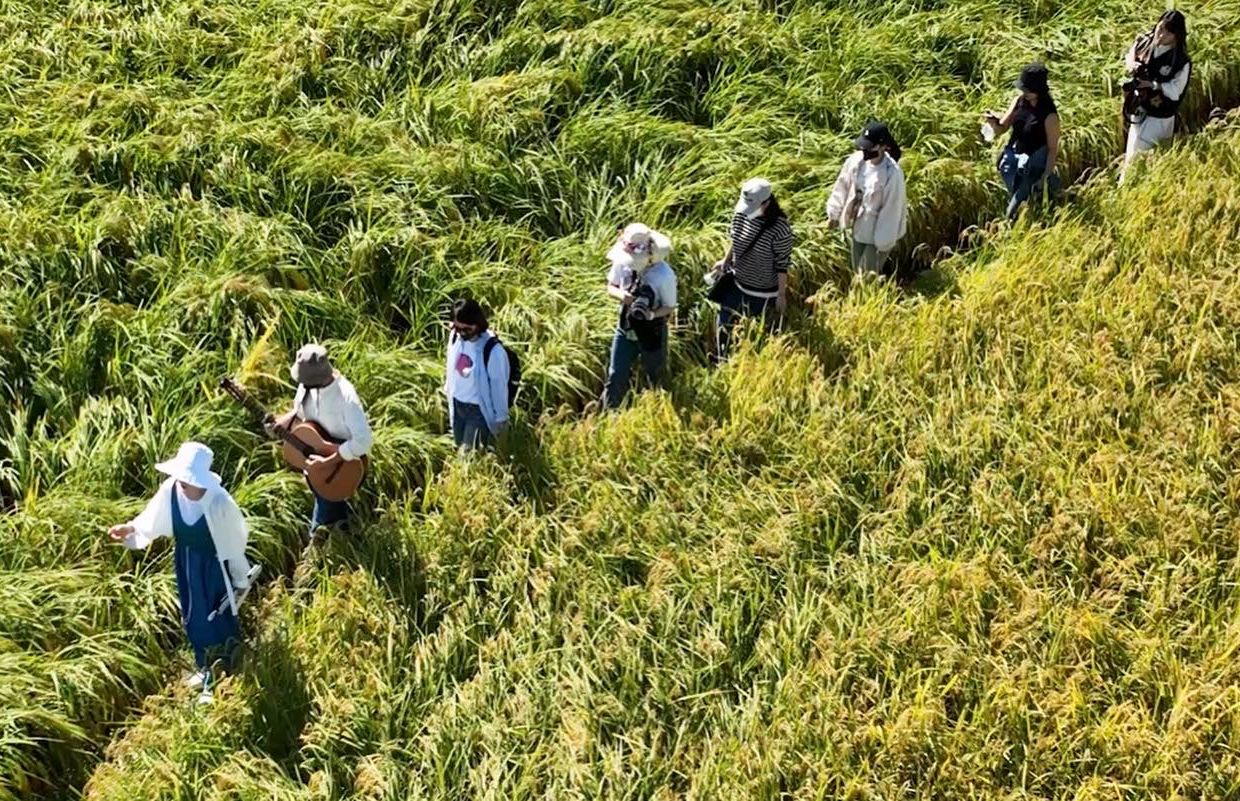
{"points": [[224, 520], [468, 359], [338, 410], [191, 511], [883, 216], [658, 276]]}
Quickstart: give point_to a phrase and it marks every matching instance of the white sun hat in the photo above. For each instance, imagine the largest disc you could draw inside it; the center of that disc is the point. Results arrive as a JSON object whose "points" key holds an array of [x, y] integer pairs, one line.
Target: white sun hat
{"points": [[754, 193], [639, 246], [191, 465]]}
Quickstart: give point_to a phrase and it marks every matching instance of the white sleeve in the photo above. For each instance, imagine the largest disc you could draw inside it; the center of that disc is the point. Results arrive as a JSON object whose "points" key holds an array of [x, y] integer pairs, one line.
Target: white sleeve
{"points": [[839, 195], [231, 535], [668, 290], [153, 521], [891, 215], [615, 276], [497, 370], [360, 436], [1174, 88], [1130, 61]]}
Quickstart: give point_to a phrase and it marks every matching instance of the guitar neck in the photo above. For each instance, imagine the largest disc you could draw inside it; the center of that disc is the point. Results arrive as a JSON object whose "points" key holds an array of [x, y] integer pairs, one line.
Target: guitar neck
{"points": [[283, 434]]}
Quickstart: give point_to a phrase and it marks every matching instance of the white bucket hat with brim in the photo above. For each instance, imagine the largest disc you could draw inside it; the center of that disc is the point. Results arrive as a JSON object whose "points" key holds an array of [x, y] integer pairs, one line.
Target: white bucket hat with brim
{"points": [[191, 465], [639, 246], [754, 193]]}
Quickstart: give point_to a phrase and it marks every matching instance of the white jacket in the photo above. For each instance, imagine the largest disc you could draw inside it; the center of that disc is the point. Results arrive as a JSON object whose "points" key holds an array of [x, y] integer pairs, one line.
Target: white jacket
{"points": [[882, 213], [228, 530], [492, 380]]}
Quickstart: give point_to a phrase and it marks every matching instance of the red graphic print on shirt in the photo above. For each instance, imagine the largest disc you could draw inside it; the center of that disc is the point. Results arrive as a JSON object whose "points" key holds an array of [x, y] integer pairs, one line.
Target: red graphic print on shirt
{"points": [[464, 365]]}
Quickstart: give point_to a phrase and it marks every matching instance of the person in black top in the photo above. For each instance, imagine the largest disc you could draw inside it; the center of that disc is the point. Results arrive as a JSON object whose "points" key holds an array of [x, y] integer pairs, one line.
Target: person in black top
{"points": [[1030, 155], [751, 280], [1159, 69]]}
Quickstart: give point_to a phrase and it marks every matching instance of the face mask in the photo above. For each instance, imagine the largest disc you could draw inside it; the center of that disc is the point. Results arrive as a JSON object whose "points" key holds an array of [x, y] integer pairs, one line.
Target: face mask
{"points": [[869, 155]]}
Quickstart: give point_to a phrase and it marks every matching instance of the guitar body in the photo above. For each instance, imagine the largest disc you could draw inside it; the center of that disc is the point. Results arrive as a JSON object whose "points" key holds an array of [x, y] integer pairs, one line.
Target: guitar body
{"points": [[336, 481]]}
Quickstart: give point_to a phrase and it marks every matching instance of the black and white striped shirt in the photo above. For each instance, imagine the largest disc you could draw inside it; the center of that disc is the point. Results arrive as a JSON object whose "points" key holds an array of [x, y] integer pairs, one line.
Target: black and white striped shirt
{"points": [[757, 266]]}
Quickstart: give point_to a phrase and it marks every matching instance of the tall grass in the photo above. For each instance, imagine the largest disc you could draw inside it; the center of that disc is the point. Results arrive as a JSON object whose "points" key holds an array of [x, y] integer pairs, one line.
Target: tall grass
{"points": [[889, 555]]}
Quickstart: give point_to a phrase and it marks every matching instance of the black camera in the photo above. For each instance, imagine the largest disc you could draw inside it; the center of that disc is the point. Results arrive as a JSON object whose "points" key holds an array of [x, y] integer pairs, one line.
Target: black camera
{"points": [[1142, 73], [638, 318], [643, 303]]}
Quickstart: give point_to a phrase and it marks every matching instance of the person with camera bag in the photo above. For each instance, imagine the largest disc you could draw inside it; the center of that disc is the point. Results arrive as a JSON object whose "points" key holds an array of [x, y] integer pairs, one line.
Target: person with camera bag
{"points": [[869, 199], [480, 379], [1028, 161], [641, 280], [751, 280], [1159, 69]]}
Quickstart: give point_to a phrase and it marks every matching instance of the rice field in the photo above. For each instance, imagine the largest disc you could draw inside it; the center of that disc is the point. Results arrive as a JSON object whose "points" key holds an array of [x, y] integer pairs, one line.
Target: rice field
{"points": [[970, 538]]}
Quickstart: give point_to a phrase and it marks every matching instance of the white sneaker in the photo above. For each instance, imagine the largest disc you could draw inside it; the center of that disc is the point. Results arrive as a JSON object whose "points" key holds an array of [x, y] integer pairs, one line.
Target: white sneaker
{"points": [[206, 697], [195, 680]]}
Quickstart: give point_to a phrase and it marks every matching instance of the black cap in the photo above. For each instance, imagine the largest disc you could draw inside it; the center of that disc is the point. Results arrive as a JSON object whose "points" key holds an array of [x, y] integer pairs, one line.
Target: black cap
{"points": [[1033, 78], [874, 135]]}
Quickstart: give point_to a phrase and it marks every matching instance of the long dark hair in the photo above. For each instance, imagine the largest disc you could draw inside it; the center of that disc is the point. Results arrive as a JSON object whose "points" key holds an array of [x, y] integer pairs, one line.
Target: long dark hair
{"points": [[773, 209], [1174, 22]]}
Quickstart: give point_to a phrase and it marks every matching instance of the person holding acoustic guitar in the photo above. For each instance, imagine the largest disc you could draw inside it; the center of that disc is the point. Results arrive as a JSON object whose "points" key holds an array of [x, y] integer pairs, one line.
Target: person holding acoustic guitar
{"points": [[329, 402], [209, 539], [1159, 68]]}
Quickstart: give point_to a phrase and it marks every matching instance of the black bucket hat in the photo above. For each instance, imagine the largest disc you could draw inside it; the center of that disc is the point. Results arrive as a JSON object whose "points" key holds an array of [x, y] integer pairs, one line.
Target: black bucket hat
{"points": [[1033, 78]]}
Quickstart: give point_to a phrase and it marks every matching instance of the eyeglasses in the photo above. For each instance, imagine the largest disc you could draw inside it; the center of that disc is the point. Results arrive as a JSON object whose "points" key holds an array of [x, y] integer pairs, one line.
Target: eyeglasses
{"points": [[637, 247]]}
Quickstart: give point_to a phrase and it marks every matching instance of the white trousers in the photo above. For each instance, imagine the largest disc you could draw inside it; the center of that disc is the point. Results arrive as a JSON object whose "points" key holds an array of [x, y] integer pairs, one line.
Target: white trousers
{"points": [[1147, 135]]}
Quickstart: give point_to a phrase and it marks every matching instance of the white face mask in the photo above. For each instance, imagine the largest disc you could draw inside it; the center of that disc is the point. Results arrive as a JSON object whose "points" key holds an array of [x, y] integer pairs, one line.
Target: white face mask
{"points": [[756, 213]]}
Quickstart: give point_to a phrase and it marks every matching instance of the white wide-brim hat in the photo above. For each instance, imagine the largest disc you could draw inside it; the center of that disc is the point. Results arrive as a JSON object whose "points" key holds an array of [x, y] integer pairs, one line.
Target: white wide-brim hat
{"points": [[639, 246], [191, 465]]}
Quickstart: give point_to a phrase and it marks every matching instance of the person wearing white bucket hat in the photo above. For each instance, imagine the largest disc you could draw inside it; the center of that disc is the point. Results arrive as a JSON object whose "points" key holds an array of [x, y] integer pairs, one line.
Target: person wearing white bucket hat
{"points": [[642, 281], [209, 536], [751, 280]]}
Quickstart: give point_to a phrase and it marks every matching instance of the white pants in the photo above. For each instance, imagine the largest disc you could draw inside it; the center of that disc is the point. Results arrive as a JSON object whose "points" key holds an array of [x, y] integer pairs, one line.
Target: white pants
{"points": [[1147, 135]]}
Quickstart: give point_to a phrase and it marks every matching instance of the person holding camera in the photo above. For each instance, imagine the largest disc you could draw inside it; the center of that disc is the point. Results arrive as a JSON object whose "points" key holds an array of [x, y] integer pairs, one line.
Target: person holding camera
{"points": [[1159, 68], [869, 199], [751, 280], [643, 283], [1028, 161]]}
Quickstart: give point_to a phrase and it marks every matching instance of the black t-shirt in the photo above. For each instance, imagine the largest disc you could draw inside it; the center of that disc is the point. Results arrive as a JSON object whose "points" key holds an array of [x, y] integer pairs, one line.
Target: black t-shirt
{"points": [[1029, 124]]}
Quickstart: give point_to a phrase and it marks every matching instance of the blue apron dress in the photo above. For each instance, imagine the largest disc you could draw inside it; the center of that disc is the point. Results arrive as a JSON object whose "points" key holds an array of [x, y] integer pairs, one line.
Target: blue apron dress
{"points": [[201, 589]]}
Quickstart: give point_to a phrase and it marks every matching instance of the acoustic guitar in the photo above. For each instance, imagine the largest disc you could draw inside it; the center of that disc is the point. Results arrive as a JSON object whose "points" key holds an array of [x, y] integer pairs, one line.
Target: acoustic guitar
{"points": [[334, 481]]}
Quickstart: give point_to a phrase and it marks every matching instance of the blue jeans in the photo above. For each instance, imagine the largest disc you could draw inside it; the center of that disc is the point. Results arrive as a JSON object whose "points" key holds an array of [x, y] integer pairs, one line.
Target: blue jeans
{"points": [[737, 305], [469, 428], [329, 513], [624, 352], [1021, 182]]}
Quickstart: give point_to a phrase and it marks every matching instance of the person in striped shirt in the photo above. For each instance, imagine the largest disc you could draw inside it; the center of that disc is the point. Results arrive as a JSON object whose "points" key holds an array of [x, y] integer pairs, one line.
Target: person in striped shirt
{"points": [[757, 261]]}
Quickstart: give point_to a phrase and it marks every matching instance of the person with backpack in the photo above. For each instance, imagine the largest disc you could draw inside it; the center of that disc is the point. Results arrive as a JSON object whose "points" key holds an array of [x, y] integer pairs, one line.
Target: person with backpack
{"points": [[751, 280], [1028, 161], [643, 283], [1159, 69], [209, 537], [480, 381], [869, 199]]}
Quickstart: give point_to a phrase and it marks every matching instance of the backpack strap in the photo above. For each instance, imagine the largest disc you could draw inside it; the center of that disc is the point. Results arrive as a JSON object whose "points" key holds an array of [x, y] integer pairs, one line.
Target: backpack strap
{"points": [[487, 348]]}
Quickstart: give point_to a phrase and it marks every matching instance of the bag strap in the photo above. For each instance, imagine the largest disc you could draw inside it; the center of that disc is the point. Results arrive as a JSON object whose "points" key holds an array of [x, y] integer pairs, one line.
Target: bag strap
{"points": [[766, 223], [486, 350]]}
